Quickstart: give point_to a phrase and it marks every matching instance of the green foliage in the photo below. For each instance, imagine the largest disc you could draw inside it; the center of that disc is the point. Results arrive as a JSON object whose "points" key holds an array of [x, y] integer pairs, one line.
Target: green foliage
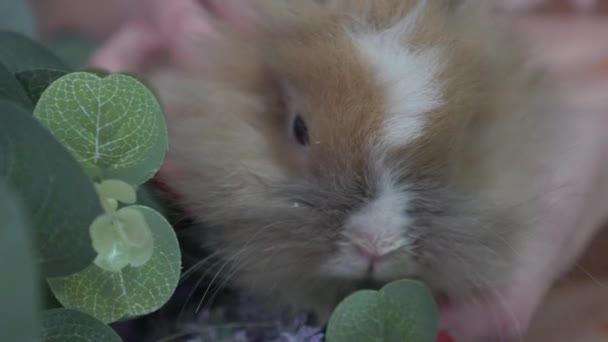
{"points": [[62, 325], [121, 239], [36, 81], [400, 311], [19, 53], [11, 90], [19, 293], [59, 198], [114, 125], [112, 296], [77, 149]]}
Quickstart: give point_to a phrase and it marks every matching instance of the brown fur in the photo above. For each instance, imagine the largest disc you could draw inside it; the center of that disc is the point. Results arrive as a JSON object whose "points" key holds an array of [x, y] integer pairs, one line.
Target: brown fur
{"points": [[243, 175]]}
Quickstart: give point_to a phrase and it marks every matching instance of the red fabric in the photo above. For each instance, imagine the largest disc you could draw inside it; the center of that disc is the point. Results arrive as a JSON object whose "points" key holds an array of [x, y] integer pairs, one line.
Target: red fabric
{"points": [[444, 337]]}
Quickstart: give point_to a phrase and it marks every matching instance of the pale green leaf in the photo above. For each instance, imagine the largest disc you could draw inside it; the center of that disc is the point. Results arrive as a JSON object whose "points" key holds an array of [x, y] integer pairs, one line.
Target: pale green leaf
{"points": [[103, 242], [121, 238], [57, 195], [401, 311], [140, 255], [62, 325], [114, 262], [134, 291], [109, 205], [114, 126], [117, 190], [136, 232], [19, 288], [11, 90], [20, 53]]}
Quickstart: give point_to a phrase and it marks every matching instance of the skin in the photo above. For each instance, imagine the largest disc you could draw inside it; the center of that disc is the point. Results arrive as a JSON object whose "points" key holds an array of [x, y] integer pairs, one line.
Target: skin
{"points": [[525, 5], [577, 195]]}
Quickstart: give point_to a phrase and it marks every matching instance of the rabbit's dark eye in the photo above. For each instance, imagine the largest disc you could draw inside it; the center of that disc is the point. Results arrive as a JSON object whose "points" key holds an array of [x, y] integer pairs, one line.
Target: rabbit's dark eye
{"points": [[300, 131]]}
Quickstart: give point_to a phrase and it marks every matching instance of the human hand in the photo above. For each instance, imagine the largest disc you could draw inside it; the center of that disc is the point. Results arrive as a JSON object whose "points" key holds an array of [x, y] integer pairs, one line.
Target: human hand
{"points": [[575, 200]]}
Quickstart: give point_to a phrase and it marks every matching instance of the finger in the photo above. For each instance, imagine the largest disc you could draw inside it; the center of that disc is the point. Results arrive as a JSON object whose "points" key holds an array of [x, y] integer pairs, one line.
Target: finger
{"points": [[175, 18], [239, 13], [160, 28], [585, 5], [128, 50], [493, 315], [187, 29]]}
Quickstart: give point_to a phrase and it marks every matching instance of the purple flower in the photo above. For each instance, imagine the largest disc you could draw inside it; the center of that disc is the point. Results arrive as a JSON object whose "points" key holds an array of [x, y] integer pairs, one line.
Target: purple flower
{"points": [[253, 321], [303, 334]]}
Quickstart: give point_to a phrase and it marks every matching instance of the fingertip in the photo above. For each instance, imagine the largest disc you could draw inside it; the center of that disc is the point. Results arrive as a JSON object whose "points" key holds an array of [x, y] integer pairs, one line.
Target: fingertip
{"points": [[105, 59], [128, 50]]}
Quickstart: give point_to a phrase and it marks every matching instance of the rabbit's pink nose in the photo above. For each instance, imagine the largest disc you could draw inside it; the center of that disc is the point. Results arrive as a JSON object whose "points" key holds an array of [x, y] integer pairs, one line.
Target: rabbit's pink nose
{"points": [[374, 249], [370, 253]]}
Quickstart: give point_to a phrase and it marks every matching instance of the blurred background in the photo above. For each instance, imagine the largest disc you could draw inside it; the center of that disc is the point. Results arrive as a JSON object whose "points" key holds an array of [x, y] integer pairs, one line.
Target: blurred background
{"points": [[568, 37]]}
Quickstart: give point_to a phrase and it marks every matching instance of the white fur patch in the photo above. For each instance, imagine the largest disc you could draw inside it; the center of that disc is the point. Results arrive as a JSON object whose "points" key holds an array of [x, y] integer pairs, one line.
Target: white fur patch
{"points": [[384, 218], [409, 77], [380, 227]]}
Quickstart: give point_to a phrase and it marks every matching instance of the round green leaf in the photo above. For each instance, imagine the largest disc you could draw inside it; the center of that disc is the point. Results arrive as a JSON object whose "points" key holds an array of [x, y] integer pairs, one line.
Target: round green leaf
{"points": [[401, 311], [57, 195], [114, 125], [134, 291], [143, 80], [20, 53], [19, 288], [97, 71], [11, 90], [62, 325], [36, 81], [410, 306], [357, 318]]}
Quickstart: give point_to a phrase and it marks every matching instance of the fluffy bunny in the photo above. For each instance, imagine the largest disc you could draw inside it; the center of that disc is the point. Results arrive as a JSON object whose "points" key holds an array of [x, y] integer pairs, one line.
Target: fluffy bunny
{"points": [[349, 143]]}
